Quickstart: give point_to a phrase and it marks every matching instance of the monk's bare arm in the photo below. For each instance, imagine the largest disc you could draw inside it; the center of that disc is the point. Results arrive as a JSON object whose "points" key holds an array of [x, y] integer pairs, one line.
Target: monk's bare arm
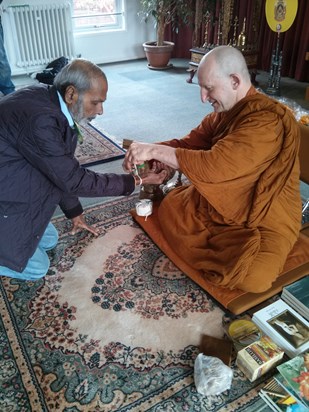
{"points": [[138, 153]]}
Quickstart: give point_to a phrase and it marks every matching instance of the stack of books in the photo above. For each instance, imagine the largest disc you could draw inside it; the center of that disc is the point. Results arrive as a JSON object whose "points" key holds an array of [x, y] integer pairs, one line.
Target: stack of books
{"points": [[286, 327], [278, 398], [297, 296], [293, 377], [258, 358]]}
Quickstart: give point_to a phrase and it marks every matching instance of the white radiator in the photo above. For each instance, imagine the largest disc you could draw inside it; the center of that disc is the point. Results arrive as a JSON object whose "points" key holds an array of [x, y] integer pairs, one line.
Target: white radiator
{"points": [[41, 33]]}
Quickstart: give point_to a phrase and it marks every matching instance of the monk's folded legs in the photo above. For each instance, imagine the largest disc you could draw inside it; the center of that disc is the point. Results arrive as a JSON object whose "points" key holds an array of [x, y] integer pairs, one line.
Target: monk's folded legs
{"points": [[268, 264]]}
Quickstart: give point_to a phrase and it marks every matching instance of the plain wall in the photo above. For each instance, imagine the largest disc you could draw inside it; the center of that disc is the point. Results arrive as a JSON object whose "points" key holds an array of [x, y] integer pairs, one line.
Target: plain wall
{"points": [[100, 48]]}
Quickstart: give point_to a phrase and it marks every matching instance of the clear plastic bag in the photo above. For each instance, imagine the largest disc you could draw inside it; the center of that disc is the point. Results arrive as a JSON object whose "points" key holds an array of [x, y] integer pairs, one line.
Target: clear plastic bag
{"points": [[301, 114], [211, 375]]}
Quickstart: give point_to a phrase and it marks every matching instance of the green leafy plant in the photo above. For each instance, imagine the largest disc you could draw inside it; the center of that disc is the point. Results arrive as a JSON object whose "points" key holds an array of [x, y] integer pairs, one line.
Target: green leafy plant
{"points": [[166, 12], [175, 12]]}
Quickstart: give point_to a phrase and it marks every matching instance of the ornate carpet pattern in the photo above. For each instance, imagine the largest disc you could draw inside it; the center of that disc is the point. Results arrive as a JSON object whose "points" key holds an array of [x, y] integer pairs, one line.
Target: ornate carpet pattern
{"points": [[114, 326], [96, 147]]}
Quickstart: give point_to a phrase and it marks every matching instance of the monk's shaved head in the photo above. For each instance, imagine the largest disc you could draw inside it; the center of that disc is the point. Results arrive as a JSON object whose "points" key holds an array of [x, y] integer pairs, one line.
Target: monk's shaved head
{"points": [[228, 61], [223, 77]]}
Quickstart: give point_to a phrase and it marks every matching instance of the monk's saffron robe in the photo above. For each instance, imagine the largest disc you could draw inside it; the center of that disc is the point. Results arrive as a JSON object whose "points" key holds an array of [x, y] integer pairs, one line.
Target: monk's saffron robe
{"points": [[240, 216]]}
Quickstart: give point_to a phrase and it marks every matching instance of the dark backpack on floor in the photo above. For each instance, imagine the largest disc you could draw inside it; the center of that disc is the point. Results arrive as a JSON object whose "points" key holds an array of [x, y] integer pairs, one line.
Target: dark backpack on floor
{"points": [[49, 73]]}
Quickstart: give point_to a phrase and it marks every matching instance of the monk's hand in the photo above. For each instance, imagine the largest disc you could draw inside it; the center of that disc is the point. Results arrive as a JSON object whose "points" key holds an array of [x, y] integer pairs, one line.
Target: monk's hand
{"points": [[137, 154], [79, 224]]}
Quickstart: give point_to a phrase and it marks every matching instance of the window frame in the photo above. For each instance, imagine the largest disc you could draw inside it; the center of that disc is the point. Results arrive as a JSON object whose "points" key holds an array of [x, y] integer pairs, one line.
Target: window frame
{"points": [[120, 24]]}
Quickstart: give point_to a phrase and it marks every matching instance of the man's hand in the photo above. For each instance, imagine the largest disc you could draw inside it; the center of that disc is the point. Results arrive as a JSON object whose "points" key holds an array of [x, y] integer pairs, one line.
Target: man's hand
{"points": [[153, 172], [157, 167], [153, 178], [79, 224]]}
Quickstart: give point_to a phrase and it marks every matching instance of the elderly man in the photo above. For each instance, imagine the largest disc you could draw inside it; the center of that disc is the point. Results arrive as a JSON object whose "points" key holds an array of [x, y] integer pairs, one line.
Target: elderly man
{"points": [[38, 138], [240, 216]]}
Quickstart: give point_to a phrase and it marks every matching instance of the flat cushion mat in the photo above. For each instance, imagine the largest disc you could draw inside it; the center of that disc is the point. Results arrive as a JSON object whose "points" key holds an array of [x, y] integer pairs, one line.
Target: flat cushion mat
{"points": [[236, 301]]}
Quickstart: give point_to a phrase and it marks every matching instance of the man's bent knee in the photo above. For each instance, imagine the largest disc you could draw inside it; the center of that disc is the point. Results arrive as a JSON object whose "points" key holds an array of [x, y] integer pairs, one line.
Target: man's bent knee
{"points": [[50, 237], [36, 268]]}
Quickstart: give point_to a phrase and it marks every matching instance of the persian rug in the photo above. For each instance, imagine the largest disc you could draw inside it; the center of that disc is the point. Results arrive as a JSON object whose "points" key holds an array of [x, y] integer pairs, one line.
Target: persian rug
{"points": [[114, 326], [96, 147]]}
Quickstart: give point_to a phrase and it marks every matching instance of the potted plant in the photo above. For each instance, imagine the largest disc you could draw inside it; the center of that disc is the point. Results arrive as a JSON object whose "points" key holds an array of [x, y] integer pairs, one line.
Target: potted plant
{"points": [[163, 12]]}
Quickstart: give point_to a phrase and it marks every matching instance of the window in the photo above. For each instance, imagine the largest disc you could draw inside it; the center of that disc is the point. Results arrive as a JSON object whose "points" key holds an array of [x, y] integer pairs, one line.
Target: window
{"points": [[99, 15]]}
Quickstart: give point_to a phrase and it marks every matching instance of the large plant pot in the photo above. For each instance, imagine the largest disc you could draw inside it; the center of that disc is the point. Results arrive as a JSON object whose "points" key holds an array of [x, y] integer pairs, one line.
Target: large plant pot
{"points": [[158, 56]]}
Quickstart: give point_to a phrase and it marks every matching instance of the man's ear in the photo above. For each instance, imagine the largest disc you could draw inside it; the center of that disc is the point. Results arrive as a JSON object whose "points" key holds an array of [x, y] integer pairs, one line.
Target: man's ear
{"points": [[235, 80], [70, 95]]}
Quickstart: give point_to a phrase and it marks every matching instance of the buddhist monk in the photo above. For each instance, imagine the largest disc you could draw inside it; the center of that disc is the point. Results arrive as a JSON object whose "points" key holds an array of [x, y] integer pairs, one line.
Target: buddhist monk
{"points": [[240, 216]]}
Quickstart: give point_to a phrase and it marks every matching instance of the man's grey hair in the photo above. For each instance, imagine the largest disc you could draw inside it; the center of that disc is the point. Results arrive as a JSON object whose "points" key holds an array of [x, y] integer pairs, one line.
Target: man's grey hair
{"points": [[79, 73]]}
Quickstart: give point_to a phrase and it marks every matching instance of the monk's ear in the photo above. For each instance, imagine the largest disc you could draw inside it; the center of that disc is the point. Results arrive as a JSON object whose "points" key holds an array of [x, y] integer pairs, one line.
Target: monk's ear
{"points": [[70, 95], [235, 81]]}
